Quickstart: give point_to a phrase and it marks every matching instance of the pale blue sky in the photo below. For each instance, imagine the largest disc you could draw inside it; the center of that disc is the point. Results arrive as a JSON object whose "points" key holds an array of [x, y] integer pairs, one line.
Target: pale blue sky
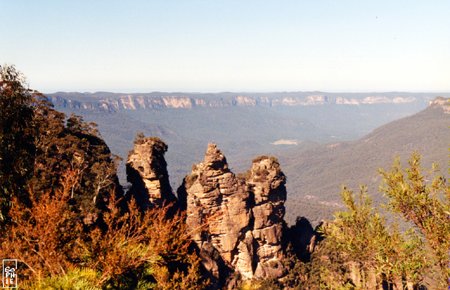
{"points": [[211, 45]]}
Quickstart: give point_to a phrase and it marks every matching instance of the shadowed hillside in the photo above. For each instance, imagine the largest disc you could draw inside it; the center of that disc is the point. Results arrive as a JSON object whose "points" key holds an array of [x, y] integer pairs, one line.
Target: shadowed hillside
{"points": [[315, 175]]}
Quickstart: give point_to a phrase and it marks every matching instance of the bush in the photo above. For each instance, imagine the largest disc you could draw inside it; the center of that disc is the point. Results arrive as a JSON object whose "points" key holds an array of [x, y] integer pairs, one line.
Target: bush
{"points": [[131, 249], [360, 251]]}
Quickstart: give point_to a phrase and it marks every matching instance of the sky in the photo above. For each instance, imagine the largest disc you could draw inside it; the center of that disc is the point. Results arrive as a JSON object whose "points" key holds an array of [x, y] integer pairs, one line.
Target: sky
{"points": [[228, 45]]}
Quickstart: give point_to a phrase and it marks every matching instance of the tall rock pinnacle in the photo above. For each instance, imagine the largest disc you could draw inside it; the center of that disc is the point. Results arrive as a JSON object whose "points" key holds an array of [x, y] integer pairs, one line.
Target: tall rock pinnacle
{"points": [[217, 209], [238, 220], [266, 183], [147, 172]]}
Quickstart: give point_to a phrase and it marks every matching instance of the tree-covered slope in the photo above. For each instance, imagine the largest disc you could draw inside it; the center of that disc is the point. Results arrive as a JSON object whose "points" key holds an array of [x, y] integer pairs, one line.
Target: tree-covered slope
{"points": [[315, 175]]}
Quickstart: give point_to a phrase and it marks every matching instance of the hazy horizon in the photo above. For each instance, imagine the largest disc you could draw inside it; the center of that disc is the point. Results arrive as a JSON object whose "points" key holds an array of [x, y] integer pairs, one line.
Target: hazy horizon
{"points": [[234, 46]]}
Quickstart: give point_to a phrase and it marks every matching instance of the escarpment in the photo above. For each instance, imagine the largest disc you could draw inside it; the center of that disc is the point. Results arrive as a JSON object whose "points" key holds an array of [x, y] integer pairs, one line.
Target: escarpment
{"points": [[239, 217]]}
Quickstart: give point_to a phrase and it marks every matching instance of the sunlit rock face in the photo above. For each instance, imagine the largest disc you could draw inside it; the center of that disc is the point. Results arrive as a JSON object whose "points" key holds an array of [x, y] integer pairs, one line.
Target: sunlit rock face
{"points": [[442, 103], [147, 172], [113, 102], [236, 221], [240, 219], [266, 183]]}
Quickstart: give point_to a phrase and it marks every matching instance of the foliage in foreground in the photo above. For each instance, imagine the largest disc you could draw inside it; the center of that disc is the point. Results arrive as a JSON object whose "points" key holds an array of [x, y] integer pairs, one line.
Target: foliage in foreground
{"points": [[361, 252], [16, 137], [61, 208], [39, 144], [135, 249], [425, 204]]}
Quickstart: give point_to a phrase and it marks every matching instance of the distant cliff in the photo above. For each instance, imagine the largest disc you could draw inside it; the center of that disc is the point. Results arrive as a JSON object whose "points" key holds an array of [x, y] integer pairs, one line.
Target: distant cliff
{"points": [[442, 103], [112, 102]]}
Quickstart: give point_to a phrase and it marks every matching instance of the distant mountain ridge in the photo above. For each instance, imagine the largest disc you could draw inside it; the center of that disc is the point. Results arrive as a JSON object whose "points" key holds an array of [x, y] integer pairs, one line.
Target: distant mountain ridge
{"points": [[113, 102]]}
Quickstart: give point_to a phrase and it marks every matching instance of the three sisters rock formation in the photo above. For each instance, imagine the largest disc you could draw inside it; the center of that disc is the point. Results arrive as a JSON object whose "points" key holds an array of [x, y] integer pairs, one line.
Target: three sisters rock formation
{"points": [[236, 221]]}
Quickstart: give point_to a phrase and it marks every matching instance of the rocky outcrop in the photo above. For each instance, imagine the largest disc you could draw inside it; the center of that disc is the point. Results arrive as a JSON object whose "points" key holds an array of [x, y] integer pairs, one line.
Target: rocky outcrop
{"points": [[266, 184], [442, 103], [218, 212], [237, 219], [147, 172]]}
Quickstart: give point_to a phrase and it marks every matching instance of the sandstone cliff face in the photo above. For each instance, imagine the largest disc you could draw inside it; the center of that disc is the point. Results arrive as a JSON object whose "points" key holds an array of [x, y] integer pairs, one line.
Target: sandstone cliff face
{"points": [[440, 102], [237, 220], [147, 172], [113, 102]]}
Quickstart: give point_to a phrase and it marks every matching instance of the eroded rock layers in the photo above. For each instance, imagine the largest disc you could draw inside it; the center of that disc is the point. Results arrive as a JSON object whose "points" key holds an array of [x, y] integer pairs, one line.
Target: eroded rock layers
{"points": [[147, 172], [235, 220], [238, 219]]}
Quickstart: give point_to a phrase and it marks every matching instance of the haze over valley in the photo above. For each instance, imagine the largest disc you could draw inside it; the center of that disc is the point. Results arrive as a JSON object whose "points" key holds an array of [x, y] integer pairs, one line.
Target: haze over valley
{"points": [[300, 128]]}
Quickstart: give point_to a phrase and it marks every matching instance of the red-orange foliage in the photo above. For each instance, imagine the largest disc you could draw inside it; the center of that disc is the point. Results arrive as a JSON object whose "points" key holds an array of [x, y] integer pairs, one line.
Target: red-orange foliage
{"points": [[136, 240], [50, 240], [43, 236]]}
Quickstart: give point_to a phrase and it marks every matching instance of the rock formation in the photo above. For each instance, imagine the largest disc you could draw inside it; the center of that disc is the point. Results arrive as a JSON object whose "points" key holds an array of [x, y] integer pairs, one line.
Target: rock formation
{"points": [[237, 222], [147, 172], [440, 102], [266, 184]]}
